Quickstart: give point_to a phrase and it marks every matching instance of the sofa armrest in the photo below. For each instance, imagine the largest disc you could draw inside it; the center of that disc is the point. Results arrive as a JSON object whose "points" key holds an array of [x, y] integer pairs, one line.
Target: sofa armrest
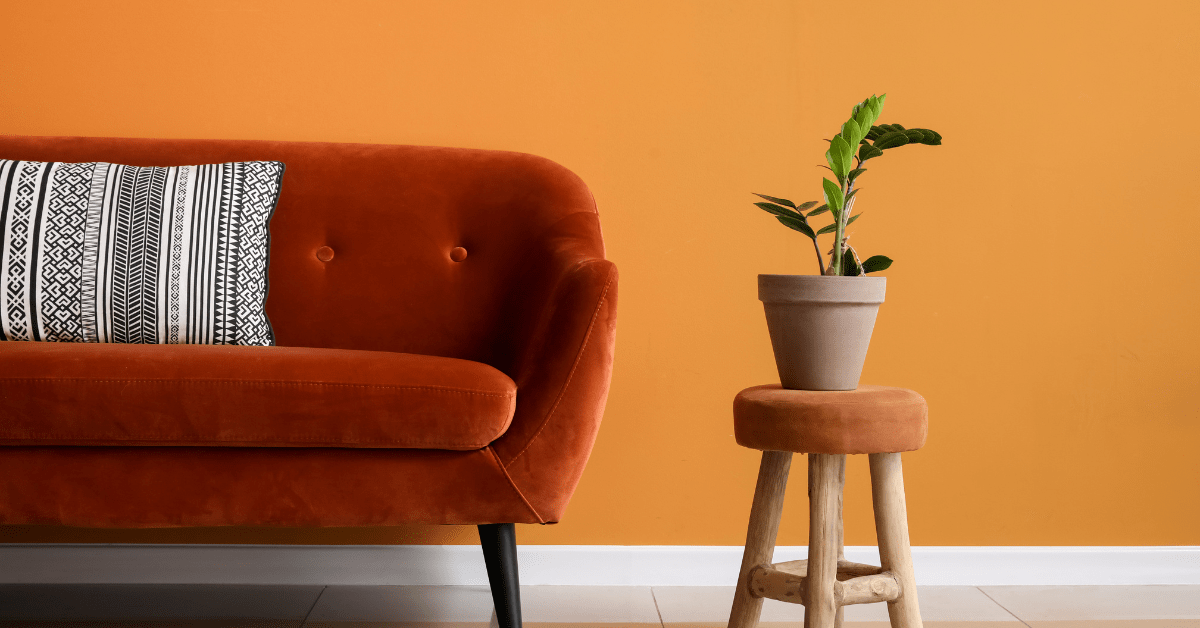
{"points": [[562, 370]]}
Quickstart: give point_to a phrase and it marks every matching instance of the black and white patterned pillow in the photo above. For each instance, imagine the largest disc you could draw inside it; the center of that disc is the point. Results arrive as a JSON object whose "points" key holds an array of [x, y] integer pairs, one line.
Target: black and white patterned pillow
{"points": [[99, 252]]}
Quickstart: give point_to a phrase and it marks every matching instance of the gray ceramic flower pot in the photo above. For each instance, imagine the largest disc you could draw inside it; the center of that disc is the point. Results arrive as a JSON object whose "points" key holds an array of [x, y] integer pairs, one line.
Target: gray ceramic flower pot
{"points": [[820, 327]]}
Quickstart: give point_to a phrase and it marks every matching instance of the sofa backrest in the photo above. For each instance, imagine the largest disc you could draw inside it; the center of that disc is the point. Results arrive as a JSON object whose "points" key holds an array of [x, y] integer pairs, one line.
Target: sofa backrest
{"points": [[391, 215]]}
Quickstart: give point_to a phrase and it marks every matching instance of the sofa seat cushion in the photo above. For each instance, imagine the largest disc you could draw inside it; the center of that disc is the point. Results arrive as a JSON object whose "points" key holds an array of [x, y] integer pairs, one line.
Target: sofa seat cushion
{"points": [[235, 396]]}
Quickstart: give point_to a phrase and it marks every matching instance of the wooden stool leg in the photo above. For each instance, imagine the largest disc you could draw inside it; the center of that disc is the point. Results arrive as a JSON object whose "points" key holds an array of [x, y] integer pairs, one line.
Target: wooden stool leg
{"points": [[824, 532], [891, 526], [839, 526], [760, 538], [841, 542]]}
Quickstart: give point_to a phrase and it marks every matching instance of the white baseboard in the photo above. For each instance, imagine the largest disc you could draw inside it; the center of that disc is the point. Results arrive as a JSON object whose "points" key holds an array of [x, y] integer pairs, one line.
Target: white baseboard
{"points": [[607, 565]]}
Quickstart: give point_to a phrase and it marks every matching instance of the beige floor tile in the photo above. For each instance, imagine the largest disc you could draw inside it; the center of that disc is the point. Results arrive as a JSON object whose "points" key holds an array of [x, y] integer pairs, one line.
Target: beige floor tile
{"points": [[623, 624], [940, 604], [618, 605], [1061, 603], [859, 624], [539, 604], [1118, 623], [396, 624], [1012, 623], [712, 604], [959, 604], [214, 604], [425, 624]]}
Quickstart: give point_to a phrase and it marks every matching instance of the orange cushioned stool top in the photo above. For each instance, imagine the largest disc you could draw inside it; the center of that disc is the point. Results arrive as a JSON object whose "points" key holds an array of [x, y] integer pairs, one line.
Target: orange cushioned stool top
{"points": [[869, 420]]}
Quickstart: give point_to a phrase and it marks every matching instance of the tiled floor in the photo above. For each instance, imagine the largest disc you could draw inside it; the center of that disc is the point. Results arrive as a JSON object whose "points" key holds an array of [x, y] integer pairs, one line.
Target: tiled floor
{"points": [[195, 606]]}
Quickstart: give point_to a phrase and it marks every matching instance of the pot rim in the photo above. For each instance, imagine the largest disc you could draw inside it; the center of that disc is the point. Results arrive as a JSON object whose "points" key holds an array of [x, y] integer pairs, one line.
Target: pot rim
{"points": [[821, 289]]}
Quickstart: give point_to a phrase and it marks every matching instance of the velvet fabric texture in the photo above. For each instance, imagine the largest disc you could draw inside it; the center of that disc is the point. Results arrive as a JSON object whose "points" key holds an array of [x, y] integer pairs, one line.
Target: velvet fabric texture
{"points": [[361, 260], [204, 395], [869, 420]]}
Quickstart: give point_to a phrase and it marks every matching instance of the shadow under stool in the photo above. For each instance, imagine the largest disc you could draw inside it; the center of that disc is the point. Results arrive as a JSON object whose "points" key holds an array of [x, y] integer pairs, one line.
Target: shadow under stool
{"points": [[827, 425]]}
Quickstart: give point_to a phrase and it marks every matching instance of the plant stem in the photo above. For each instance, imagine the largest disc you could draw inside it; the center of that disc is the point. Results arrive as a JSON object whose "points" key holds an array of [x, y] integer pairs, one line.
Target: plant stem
{"points": [[820, 258], [836, 261]]}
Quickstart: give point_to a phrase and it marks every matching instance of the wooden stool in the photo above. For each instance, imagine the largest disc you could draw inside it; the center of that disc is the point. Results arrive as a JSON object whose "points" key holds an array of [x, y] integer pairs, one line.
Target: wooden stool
{"points": [[874, 420]]}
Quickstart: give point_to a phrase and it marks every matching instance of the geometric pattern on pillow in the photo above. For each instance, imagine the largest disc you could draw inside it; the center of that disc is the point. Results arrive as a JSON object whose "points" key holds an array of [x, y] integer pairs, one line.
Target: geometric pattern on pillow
{"points": [[99, 252]]}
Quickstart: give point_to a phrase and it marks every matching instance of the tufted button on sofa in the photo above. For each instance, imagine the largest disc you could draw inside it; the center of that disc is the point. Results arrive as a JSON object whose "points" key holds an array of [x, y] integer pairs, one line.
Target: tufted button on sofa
{"points": [[445, 324]]}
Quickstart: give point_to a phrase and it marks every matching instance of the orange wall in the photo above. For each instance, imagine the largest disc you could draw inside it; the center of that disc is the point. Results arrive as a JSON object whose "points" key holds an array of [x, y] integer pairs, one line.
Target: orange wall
{"points": [[1044, 296]]}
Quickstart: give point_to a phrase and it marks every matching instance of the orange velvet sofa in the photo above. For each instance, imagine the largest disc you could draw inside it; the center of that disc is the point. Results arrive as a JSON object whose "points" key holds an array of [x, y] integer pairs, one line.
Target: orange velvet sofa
{"points": [[445, 324]]}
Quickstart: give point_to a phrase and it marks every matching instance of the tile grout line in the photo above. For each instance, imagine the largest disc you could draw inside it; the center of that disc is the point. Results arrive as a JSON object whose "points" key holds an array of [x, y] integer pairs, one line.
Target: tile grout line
{"points": [[304, 622], [661, 623], [985, 593]]}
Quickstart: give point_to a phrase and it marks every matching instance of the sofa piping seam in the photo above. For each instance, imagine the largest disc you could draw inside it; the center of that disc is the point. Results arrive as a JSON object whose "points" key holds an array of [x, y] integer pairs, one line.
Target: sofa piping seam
{"points": [[570, 376], [440, 389], [252, 441], [517, 489]]}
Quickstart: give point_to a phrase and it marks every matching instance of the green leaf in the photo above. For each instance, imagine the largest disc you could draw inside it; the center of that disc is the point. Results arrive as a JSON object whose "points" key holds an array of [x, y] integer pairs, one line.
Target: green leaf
{"points": [[833, 197], [806, 205], [850, 267], [865, 105], [850, 133], [852, 219], [777, 210], [848, 156], [874, 133], [798, 225], [818, 211], [845, 154], [868, 151], [840, 157], [891, 139], [895, 135], [927, 137], [876, 263], [781, 201], [881, 129], [876, 106], [851, 195], [864, 120], [834, 163], [827, 229], [853, 174]]}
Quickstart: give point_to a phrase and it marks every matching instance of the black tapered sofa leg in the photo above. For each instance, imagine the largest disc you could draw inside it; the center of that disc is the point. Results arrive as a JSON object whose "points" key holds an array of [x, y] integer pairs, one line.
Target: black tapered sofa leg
{"points": [[499, 542]]}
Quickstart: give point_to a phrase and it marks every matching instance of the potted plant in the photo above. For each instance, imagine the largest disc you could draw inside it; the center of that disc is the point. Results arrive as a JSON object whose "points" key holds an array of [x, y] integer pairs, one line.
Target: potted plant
{"points": [[821, 325]]}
